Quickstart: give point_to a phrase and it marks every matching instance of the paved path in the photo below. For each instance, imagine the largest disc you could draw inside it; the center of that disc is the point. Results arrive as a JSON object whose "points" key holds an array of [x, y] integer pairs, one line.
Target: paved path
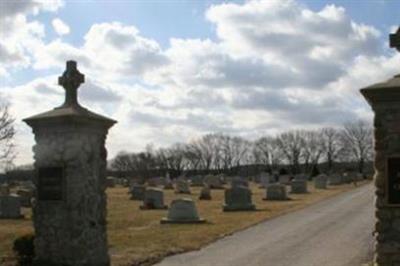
{"points": [[333, 232]]}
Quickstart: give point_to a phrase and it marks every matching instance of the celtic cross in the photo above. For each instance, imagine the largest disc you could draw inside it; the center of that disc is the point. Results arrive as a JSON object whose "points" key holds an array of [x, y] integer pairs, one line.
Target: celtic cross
{"points": [[70, 80]]}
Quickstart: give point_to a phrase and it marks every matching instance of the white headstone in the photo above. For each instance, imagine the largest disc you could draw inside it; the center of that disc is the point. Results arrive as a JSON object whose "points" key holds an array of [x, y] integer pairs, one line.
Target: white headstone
{"points": [[182, 211]]}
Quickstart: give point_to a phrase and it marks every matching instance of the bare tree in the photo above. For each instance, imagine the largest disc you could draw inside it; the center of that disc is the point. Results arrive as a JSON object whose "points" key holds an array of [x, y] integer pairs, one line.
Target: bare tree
{"points": [[291, 145], [357, 142], [7, 133], [331, 145], [121, 162], [312, 149], [266, 151]]}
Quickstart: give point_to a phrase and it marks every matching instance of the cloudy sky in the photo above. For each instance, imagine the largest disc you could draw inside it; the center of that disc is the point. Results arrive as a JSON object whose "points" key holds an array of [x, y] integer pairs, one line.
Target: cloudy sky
{"points": [[170, 71]]}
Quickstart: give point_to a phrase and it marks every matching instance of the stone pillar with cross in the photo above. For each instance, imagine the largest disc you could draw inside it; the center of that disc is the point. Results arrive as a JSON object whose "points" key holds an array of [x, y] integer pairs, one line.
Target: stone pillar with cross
{"points": [[384, 99], [69, 214]]}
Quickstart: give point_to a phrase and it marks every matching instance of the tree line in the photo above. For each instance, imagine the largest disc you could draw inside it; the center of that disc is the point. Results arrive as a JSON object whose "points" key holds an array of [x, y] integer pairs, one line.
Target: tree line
{"points": [[299, 151]]}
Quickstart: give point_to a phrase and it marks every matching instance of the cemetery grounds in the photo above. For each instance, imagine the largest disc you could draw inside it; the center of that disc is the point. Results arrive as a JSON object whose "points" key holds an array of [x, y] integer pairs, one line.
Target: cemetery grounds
{"points": [[136, 236]]}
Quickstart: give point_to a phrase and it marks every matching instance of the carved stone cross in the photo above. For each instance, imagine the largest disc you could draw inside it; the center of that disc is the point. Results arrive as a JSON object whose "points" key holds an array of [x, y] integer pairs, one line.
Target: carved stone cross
{"points": [[395, 40], [71, 80]]}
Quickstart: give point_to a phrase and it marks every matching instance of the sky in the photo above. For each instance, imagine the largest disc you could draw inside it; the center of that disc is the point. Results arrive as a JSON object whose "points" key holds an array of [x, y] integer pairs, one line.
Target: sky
{"points": [[171, 71]]}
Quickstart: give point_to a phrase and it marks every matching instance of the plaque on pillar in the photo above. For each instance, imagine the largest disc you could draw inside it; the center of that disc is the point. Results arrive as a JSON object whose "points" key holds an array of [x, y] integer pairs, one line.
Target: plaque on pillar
{"points": [[51, 184], [393, 181]]}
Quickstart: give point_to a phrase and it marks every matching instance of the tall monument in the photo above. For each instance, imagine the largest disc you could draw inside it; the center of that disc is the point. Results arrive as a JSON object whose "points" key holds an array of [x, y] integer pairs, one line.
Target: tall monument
{"points": [[70, 162], [384, 99]]}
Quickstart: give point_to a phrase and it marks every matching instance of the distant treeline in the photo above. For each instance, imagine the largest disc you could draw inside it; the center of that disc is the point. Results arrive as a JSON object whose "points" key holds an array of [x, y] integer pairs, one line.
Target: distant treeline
{"points": [[348, 148]]}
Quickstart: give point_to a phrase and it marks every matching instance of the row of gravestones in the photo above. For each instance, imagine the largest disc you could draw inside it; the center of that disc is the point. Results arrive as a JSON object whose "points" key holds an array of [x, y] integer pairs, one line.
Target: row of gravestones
{"points": [[237, 198], [10, 204]]}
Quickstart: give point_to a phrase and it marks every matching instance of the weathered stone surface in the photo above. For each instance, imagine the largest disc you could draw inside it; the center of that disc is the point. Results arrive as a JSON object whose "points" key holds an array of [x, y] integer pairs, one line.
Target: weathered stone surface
{"points": [[284, 179], [298, 187], [10, 207], [153, 199], [384, 99], [205, 193], [238, 198], [137, 192], [276, 192], [321, 181], [72, 229], [183, 211]]}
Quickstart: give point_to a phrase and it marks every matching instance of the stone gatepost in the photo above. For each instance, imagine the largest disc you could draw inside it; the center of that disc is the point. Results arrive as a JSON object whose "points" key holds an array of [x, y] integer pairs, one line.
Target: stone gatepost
{"points": [[384, 99], [69, 215]]}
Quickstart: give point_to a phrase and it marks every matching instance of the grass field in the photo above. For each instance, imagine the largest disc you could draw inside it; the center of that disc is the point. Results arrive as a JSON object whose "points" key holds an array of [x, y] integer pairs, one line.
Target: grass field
{"points": [[137, 238]]}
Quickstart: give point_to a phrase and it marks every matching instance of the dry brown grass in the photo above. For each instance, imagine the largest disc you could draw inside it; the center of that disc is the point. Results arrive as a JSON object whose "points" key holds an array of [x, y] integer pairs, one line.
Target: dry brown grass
{"points": [[136, 236]]}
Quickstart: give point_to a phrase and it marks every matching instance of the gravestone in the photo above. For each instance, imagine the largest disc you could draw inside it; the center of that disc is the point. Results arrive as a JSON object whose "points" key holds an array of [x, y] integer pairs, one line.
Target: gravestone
{"points": [[384, 99], [4, 190], [182, 211], [182, 187], [264, 180], [214, 182], [321, 181], [276, 192], [238, 198], [153, 199], [10, 207], [197, 181], [298, 187], [301, 177], [26, 196], [70, 161], [137, 192], [284, 179], [335, 179], [205, 193]]}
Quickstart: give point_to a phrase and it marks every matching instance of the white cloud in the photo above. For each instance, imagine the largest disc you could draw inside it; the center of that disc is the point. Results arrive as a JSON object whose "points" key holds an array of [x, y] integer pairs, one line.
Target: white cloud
{"points": [[275, 65], [60, 27], [19, 34]]}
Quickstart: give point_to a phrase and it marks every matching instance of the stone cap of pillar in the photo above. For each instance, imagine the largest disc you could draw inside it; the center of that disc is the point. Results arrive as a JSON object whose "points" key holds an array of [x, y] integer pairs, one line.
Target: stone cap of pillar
{"points": [[70, 111], [384, 92]]}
